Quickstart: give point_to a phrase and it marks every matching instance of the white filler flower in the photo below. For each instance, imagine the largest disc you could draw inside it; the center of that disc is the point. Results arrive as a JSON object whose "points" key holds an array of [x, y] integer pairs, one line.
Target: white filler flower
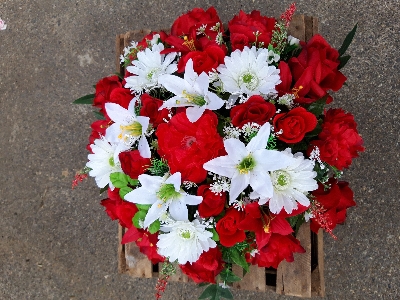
{"points": [[190, 91], [249, 164], [292, 183], [247, 72], [150, 64], [163, 193], [127, 128], [185, 242], [102, 162]]}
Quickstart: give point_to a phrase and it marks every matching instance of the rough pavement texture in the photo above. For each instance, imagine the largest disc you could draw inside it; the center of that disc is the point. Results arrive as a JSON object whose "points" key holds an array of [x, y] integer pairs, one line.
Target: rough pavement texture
{"points": [[57, 243]]}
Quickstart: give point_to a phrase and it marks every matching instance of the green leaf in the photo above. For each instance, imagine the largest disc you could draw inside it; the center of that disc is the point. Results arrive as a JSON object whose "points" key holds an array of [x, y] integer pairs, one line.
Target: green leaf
{"points": [[124, 190], [228, 276], [239, 259], [317, 130], [138, 218], [133, 182], [88, 99], [119, 180], [215, 236], [347, 41], [210, 291], [154, 227], [144, 207], [104, 189], [298, 147], [201, 284], [225, 293], [317, 107], [119, 75], [98, 115], [343, 61]]}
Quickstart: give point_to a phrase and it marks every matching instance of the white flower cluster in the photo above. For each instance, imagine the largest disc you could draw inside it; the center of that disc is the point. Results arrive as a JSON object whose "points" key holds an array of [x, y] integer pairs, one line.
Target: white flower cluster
{"points": [[286, 100], [221, 184]]}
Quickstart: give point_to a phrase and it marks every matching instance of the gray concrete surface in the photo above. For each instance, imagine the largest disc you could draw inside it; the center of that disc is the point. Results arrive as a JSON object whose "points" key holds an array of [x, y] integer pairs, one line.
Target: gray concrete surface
{"points": [[57, 243]]}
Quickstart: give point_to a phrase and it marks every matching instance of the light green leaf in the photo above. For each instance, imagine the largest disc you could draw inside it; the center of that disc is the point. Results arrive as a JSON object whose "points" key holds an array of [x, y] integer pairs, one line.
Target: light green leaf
{"points": [[124, 190], [119, 180], [154, 227], [138, 218]]}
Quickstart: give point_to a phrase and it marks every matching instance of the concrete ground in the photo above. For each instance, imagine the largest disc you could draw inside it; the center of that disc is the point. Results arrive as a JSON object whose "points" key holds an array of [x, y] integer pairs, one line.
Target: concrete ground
{"points": [[57, 243]]}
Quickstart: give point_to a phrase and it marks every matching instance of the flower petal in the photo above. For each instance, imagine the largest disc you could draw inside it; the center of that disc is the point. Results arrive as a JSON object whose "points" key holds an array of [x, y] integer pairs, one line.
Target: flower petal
{"points": [[238, 183], [260, 141], [222, 165], [178, 210]]}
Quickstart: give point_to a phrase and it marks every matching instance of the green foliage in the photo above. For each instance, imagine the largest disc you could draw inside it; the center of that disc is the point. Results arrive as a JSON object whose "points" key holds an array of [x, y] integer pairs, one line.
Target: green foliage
{"points": [[296, 222], [120, 180], [124, 190], [104, 189], [154, 227], [227, 276], [236, 254], [215, 236], [271, 142], [317, 107], [138, 218], [98, 115], [88, 99], [343, 61], [216, 292], [347, 41], [158, 167]]}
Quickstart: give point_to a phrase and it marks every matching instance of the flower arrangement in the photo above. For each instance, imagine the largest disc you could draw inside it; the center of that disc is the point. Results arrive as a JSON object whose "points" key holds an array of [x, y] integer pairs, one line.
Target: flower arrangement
{"points": [[216, 144]]}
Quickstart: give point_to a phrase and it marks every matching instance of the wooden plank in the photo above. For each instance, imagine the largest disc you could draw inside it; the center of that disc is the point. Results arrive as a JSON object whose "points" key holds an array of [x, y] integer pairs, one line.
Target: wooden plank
{"points": [[311, 27], [294, 278], [119, 49], [179, 276], [137, 264], [317, 275], [297, 27], [254, 280], [121, 251], [135, 35]]}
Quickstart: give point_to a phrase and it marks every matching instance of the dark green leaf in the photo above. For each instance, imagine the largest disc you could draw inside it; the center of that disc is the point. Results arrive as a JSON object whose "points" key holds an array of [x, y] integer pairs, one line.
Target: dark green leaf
{"points": [[239, 259], [343, 61], [210, 291], [119, 180], [317, 130], [228, 276], [347, 41], [201, 284], [138, 218], [124, 190], [154, 227], [225, 293], [144, 207], [317, 107], [88, 99], [104, 189], [99, 116], [302, 146], [119, 75]]}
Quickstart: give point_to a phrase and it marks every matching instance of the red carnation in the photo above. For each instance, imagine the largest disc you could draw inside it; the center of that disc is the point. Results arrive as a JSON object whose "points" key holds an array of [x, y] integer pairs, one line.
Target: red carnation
{"points": [[206, 268], [98, 129], [118, 209], [255, 110], [294, 125], [279, 247], [187, 146], [315, 70], [212, 204], [335, 203], [150, 106], [339, 141], [133, 164], [244, 26], [228, 230]]}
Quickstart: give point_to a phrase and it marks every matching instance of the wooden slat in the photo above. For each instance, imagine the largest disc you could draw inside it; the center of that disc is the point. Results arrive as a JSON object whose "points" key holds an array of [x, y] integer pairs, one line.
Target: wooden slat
{"points": [[317, 276], [294, 278], [297, 27], [254, 280], [311, 27], [135, 35], [119, 49], [179, 276], [138, 265], [121, 251]]}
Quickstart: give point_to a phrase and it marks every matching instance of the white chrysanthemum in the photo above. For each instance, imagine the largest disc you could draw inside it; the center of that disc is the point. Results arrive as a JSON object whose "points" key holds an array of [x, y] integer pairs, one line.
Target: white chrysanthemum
{"points": [[247, 72], [127, 128], [150, 64], [291, 184], [185, 241], [192, 91], [249, 164], [162, 193], [102, 162]]}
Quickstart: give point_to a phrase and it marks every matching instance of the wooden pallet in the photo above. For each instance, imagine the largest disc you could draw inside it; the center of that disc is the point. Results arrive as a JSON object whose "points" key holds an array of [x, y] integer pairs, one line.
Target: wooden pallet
{"points": [[303, 278]]}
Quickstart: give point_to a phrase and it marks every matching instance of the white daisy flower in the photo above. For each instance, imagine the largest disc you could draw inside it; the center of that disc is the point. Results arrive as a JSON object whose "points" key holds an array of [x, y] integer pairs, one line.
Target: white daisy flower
{"points": [[127, 128], [291, 184], [102, 162], [249, 164], [247, 72], [150, 64], [190, 91], [163, 193], [185, 241]]}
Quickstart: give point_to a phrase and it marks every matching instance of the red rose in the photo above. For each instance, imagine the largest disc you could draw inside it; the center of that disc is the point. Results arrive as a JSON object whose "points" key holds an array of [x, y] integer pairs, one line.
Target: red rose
{"points": [[150, 106], [339, 141], [189, 23], [316, 70], [294, 125], [133, 164], [187, 146], [98, 129], [103, 90], [203, 61], [244, 26], [121, 96], [335, 203], [206, 268], [118, 209], [227, 228], [279, 247], [212, 204], [255, 109]]}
